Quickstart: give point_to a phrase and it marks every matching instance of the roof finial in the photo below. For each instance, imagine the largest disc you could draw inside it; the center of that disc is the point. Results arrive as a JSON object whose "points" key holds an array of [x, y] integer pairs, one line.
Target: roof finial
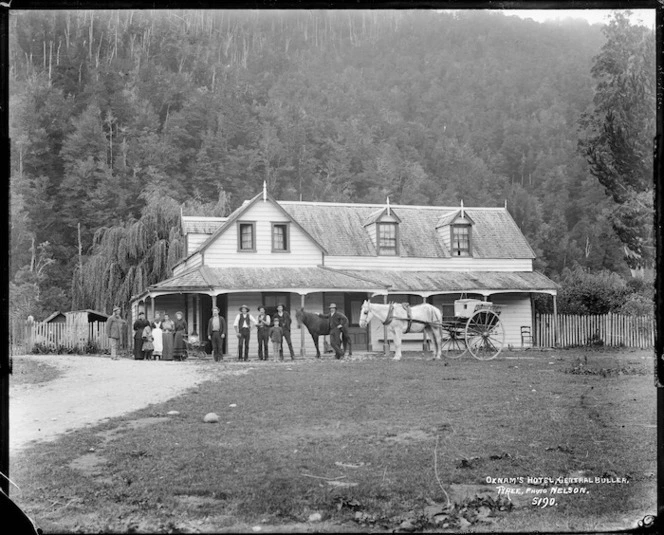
{"points": [[462, 208], [388, 206], [505, 204], [264, 191]]}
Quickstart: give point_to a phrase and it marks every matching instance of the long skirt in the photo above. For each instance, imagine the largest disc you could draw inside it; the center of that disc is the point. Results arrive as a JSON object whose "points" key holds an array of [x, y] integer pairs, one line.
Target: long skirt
{"points": [[179, 348], [158, 343], [167, 346], [138, 347]]}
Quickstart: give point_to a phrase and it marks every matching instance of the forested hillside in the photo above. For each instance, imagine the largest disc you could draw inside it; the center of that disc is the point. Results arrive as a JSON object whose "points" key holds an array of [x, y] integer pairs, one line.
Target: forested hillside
{"points": [[119, 119]]}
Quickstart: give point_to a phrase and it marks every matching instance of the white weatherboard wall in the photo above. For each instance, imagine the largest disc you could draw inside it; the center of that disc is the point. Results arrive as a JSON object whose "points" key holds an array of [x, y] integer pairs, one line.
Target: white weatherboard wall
{"points": [[516, 311], [407, 263], [224, 251], [194, 241], [192, 262]]}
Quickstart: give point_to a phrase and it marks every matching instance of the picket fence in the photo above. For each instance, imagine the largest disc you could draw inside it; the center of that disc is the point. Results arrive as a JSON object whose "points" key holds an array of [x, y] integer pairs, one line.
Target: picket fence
{"points": [[572, 331], [608, 329], [27, 337]]}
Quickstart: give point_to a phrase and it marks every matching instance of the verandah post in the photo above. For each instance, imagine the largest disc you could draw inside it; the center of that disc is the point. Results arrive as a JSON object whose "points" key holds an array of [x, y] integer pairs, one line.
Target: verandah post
{"points": [[424, 333], [386, 342], [303, 353], [555, 322]]}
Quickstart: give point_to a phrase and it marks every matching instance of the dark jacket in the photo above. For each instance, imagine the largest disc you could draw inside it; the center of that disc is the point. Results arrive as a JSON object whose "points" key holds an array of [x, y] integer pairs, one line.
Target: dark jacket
{"points": [[335, 320], [284, 321], [139, 325], [222, 326]]}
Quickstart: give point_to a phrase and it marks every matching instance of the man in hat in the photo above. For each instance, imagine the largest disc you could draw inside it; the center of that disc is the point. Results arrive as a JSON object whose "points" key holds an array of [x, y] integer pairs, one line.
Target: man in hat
{"points": [[338, 327], [243, 323], [216, 334], [285, 323], [114, 326], [263, 332], [140, 324]]}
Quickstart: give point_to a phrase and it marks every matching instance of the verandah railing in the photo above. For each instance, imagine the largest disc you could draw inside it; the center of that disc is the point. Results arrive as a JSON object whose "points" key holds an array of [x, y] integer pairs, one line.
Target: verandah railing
{"points": [[607, 329]]}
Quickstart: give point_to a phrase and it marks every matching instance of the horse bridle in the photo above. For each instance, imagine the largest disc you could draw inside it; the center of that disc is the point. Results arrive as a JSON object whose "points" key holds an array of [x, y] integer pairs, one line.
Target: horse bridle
{"points": [[388, 318]]}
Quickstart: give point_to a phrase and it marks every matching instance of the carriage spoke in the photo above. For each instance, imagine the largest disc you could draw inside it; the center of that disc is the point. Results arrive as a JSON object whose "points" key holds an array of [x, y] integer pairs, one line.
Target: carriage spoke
{"points": [[454, 346], [485, 335]]}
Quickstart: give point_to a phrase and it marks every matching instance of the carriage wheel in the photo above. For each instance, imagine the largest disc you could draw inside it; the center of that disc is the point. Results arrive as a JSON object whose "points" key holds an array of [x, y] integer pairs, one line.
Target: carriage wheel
{"points": [[453, 345], [485, 335]]}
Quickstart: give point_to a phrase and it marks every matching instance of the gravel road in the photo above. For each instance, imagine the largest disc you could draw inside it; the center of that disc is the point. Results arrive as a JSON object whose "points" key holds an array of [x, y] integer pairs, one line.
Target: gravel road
{"points": [[91, 389]]}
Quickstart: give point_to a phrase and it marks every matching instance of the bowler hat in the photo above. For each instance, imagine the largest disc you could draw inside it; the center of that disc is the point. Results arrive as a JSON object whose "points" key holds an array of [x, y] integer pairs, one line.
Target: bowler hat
{"points": [[244, 306], [332, 305]]}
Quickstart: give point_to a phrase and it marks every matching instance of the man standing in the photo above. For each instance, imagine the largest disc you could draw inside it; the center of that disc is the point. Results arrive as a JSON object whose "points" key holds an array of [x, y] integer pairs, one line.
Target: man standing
{"points": [[243, 322], [216, 334], [338, 326], [140, 324], [263, 329], [285, 323], [114, 326]]}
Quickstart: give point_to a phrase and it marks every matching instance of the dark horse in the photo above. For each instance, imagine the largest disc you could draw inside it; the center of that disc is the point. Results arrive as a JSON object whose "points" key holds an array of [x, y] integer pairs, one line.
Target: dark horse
{"points": [[318, 326]]}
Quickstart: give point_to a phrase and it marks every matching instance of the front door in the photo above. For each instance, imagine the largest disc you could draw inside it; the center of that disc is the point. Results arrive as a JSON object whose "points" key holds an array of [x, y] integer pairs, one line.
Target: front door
{"points": [[358, 336]]}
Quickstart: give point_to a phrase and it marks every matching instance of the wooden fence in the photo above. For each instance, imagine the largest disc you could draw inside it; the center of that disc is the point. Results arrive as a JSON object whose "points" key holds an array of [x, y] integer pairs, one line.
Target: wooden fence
{"points": [[27, 337], [608, 329]]}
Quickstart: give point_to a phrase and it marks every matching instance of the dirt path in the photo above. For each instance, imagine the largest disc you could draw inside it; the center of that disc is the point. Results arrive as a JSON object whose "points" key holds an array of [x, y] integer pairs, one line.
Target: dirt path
{"points": [[91, 389]]}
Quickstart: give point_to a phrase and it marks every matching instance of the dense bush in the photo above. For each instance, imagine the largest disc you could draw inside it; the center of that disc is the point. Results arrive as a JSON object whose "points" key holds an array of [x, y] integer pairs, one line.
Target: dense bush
{"points": [[584, 292]]}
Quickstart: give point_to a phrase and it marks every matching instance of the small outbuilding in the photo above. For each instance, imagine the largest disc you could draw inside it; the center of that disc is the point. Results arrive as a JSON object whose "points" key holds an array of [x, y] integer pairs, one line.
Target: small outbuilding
{"points": [[71, 329]]}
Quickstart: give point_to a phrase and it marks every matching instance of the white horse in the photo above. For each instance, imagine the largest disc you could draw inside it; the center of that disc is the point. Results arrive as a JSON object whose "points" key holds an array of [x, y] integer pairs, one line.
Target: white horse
{"points": [[400, 319]]}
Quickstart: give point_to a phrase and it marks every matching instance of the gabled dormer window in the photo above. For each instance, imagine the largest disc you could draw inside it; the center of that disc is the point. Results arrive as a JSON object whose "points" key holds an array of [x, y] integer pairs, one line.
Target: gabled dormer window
{"points": [[246, 236], [460, 240], [383, 228], [388, 239], [456, 232]]}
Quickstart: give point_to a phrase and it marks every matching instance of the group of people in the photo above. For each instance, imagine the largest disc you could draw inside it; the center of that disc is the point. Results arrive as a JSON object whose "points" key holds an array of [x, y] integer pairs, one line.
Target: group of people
{"points": [[275, 330], [157, 339], [160, 339], [165, 339]]}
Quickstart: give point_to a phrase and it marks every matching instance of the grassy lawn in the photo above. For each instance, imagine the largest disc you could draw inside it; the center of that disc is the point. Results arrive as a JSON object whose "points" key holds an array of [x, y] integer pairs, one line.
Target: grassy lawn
{"points": [[370, 444]]}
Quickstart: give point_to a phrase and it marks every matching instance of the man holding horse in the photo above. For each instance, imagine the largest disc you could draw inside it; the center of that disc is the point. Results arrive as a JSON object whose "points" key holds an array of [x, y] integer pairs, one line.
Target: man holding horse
{"points": [[338, 328]]}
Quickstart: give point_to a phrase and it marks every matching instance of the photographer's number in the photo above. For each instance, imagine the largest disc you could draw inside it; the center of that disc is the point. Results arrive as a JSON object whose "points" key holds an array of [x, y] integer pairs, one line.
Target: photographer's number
{"points": [[543, 502]]}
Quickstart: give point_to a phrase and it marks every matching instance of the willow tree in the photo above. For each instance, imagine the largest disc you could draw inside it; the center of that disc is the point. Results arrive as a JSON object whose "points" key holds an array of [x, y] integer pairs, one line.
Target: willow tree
{"points": [[125, 259]]}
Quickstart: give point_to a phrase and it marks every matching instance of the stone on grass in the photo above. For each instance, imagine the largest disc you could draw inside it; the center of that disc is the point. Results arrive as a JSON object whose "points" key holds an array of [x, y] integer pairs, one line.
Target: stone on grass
{"points": [[172, 413], [315, 517], [211, 418], [407, 526]]}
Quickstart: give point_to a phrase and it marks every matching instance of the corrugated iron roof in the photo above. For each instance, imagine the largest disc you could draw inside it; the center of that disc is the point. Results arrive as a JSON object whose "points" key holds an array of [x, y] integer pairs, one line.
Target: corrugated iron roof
{"points": [[460, 281], [268, 278], [339, 228]]}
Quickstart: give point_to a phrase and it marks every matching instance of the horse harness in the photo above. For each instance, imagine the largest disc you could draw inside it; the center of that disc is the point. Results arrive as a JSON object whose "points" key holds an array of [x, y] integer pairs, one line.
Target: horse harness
{"points": [[410, 319]]}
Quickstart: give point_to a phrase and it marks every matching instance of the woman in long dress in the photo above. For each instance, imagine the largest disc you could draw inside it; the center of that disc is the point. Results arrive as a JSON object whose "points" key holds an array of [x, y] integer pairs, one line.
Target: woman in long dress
{"points": [[167, 329], [179, 347]]}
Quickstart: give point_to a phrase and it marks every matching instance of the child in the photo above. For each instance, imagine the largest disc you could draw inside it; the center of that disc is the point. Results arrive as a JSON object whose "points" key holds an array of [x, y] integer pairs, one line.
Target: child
{"points": [[148, 346], [276, 335]]}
